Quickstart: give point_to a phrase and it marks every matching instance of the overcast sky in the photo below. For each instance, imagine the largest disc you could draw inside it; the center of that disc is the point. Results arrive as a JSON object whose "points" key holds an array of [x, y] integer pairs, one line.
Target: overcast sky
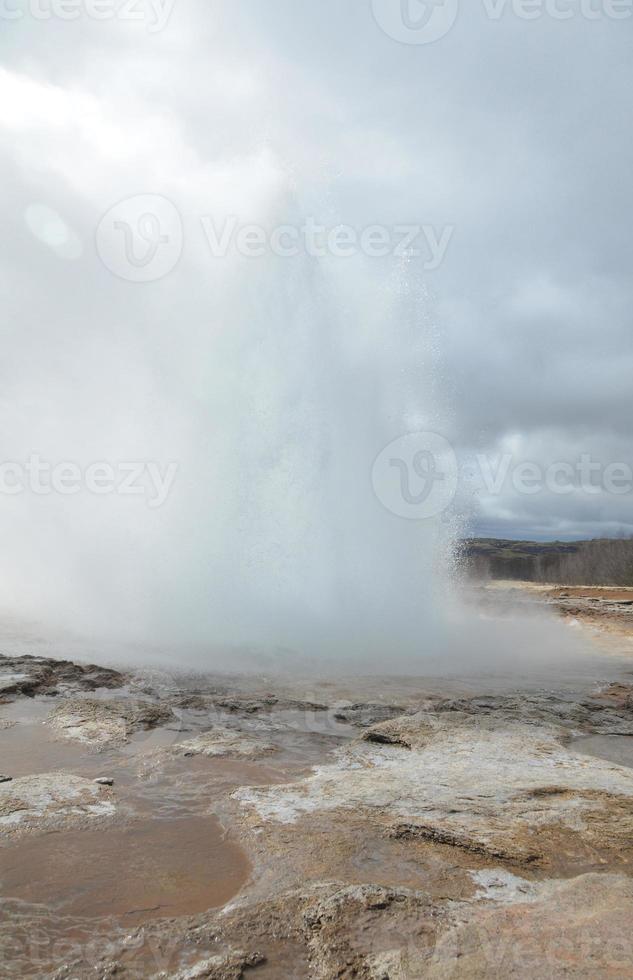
{"points": [[511, 137]]}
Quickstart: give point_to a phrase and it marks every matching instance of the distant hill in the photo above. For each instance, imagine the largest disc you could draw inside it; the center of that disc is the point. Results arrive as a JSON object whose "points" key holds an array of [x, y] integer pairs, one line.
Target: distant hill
{"points": [[602, 561]]}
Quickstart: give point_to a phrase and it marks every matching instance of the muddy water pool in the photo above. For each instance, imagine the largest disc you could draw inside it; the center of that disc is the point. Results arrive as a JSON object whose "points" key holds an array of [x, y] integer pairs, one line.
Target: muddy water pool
{"points": [[151, 868], [167, 853]]}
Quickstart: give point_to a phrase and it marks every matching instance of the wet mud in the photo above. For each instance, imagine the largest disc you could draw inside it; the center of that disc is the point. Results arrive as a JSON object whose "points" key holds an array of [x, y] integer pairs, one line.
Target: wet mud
{"points": [[183, 826]]}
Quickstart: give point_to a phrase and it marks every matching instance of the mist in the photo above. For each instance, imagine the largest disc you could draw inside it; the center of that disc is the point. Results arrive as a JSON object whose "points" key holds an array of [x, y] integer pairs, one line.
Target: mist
{"points": [[244, 397], [256, 396]]}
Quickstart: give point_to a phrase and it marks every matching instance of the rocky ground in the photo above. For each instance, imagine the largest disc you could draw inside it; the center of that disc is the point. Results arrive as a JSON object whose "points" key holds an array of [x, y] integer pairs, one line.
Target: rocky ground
{"points": [[163, 826], [606, 611]]}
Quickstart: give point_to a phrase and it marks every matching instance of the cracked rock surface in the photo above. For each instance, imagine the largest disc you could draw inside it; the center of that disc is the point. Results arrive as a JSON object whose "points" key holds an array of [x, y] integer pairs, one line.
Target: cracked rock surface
{"points": [[53, 801], [103, 723], [506, 790], [224, 742], [27, 675]]}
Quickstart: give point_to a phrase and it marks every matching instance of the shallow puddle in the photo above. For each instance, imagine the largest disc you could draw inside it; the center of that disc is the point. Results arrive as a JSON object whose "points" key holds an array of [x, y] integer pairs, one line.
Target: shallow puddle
{"points": [[613, 748], [28, 749], [27, 709], [151, 869]]}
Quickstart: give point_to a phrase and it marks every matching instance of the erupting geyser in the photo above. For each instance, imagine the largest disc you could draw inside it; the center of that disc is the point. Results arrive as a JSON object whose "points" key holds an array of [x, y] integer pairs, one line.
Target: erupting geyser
{"points": [[269, 386]]}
